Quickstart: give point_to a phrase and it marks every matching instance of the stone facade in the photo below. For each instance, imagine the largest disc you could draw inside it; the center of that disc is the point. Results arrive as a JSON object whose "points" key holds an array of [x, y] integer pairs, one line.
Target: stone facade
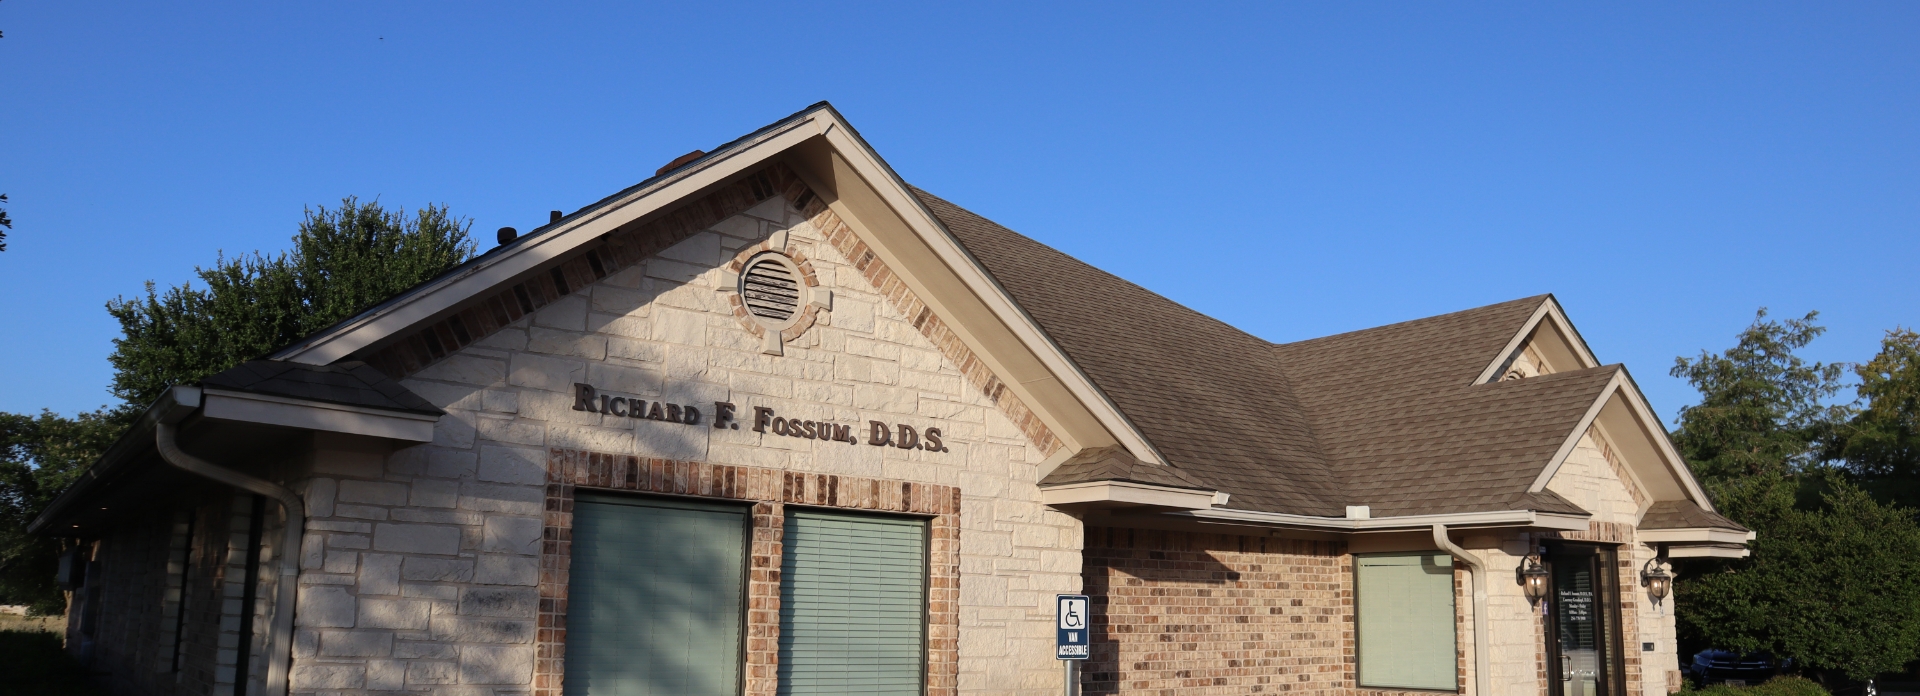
{"points": [[423, 566]]}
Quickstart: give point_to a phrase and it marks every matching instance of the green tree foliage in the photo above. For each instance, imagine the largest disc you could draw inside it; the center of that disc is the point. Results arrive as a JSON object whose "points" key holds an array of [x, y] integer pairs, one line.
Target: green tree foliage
{"points": [[1837, 586], [1881, 445], [1761, 406], [39, 457], [1834, 576], [5, 223], [342, 261]]}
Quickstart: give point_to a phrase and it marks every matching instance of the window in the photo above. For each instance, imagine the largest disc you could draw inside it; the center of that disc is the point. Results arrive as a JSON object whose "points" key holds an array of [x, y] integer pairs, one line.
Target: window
{"points": [[655, 597], [1405, 606], [852, 604]]}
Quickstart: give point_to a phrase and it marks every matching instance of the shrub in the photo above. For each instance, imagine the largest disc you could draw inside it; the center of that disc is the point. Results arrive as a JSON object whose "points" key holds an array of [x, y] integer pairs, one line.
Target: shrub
{"points": [[1777, 686]]}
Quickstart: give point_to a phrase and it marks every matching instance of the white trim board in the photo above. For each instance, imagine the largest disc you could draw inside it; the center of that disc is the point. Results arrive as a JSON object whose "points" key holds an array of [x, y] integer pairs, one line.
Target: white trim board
{"points": [[219, 404], [1550, 311]]}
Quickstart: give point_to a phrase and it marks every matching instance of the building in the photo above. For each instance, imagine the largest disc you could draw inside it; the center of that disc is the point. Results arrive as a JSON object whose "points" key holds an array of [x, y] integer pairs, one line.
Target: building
{"points": [[775, 422]]}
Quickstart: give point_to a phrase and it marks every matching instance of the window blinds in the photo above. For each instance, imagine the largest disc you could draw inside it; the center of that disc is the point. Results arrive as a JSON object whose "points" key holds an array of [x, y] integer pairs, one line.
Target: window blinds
{"points": [[852, 604], [654, 598], [1406, 617]]}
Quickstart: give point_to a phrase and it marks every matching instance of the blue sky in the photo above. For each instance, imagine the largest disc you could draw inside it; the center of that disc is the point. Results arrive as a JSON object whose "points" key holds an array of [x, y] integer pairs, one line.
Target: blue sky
{"points": [[1294, 169]]}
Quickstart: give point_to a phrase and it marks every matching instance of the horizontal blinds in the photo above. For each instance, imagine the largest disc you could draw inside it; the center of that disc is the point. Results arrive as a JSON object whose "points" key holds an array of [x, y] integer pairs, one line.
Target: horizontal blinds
{"points": [[1406, 617], [852, 605], [654, 598]]}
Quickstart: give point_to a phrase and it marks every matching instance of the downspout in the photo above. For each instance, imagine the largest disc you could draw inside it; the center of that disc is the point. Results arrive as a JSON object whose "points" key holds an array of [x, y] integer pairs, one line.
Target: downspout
{"points": [[281, 645], [1482, 681]]}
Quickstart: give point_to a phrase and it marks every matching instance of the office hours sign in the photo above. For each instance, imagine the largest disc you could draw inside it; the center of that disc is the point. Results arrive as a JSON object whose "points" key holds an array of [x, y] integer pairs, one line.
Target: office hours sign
{"points": [[1070, 614]]}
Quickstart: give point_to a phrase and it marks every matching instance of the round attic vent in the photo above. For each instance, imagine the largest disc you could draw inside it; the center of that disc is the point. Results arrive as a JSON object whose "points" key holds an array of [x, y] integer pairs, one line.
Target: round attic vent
{"points": [[770, 286]]}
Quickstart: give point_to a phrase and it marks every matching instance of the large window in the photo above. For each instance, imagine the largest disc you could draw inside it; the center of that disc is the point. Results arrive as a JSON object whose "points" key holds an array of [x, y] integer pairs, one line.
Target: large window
{"points": [[1405, 606], [655, 597], [852, 604]]}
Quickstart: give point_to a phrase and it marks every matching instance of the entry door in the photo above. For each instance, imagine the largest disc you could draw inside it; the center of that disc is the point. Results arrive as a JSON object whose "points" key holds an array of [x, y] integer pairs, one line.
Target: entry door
{"points": [[655, 594], [1583, 632]]}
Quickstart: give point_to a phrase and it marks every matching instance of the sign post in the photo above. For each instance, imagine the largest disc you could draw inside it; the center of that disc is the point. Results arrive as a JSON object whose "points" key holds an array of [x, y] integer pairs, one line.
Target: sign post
{"points": [[1071, 640]]}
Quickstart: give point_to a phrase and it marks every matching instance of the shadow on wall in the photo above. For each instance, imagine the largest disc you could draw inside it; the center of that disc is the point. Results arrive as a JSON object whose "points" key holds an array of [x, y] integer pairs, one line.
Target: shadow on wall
{"points": [[1125, 569]]}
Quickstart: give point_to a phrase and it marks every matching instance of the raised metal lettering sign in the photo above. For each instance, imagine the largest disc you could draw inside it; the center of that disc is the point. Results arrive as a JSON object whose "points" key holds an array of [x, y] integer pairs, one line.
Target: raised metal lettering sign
{"points": [[1073, 638]]}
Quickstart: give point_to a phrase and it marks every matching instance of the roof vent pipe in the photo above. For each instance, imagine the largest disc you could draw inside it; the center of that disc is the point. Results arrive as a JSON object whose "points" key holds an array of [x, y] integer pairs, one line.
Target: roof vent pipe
{"points": [[1482, 681], [507, 234], [280, 646], [554, 216]]}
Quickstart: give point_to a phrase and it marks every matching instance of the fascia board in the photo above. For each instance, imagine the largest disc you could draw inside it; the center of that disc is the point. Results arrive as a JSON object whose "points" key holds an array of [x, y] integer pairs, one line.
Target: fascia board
{"points": [[1573, 439], [1128, 493], [1709, 552], [1549, 310], [315, 415], [448, 293], [1499, 518], [868, 165], [1692, 535]]}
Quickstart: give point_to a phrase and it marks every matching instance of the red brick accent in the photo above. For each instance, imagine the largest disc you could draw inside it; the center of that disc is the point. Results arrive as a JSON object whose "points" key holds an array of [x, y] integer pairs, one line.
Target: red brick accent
{"points": [[770, 490], [619, 249], [808, 313], [930, 325], [635, 242], [1622, 535]]}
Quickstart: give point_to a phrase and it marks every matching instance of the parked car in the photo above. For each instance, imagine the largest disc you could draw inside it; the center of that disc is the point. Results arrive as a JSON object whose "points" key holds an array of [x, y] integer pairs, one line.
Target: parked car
{"points": [[1716, 666]]}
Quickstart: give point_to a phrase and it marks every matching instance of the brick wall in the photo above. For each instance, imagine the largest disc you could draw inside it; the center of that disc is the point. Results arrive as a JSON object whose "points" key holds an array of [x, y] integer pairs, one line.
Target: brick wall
{"points": [[1199, 614]]}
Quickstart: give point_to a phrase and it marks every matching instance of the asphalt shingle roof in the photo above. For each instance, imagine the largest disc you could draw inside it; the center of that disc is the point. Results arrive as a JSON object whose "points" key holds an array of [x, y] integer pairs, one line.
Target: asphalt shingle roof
{"points": [[1387, 417], [350, 383]]}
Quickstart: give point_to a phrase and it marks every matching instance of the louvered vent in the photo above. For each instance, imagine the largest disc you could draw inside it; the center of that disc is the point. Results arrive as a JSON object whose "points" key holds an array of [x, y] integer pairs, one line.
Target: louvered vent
{"points": [[771, 289]]}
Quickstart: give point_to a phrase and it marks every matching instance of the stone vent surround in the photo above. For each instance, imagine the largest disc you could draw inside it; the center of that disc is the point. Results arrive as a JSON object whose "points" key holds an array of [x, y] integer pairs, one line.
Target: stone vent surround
{"points": [[630, 245], [770, 491]]}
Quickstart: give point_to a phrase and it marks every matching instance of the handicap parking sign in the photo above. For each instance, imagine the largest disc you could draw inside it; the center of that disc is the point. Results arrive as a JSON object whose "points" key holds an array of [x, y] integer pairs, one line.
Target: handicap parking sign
{"points": [[1071, 643]]}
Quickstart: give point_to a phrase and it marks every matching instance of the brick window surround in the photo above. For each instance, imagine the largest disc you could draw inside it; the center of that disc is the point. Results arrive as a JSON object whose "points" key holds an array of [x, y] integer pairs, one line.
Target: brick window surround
{"points": [[770, 491]]}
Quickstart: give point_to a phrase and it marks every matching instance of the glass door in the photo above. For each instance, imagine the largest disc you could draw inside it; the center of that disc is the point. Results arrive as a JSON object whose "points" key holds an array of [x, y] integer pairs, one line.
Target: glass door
{"points": [[1583, 621]]}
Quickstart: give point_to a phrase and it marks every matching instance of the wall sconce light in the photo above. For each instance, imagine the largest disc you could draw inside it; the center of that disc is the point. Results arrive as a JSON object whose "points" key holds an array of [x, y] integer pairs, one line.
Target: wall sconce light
{"points": [[1656, 579], [1533, 580]]}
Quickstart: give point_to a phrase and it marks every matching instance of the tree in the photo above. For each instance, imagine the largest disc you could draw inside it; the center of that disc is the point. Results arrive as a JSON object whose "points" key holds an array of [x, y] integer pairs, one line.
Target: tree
{"points": [[39, 457], [1761, 407], [1881, 445], [1836, 587], [342, 262], [5, 223], [1827, 555]]}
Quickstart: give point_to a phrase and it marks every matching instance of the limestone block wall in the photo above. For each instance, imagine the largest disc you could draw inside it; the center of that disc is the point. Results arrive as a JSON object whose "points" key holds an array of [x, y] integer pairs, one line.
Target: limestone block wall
{"points": [[421, 566]]}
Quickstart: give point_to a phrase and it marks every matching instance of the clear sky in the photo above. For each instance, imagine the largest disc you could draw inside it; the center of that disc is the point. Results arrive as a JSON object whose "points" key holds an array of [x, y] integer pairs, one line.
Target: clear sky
{"points": [[1295, 169]]}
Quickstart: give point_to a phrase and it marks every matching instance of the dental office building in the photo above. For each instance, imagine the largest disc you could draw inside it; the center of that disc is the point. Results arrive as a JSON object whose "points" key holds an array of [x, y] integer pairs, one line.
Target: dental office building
{"points": [[776, 422]]}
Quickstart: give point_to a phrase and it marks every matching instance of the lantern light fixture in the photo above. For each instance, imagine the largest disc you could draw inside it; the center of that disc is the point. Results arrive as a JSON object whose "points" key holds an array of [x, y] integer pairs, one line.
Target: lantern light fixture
{"points": [[1533, 580], [1655, 577]]}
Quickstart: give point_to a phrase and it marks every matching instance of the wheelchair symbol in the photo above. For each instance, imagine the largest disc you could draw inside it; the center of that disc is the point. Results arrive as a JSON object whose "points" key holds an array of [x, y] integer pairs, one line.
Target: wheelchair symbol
{"points": [[1073, 613]]}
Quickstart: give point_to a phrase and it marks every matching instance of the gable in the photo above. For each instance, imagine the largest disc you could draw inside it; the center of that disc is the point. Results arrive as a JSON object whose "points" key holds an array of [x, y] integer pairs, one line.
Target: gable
{"points": [[661, 348], [1545, 345], [812, 154]]}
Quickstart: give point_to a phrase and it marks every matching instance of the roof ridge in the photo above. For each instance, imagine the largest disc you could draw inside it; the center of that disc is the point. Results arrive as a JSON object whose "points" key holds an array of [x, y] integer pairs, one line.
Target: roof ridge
{"points": [[1534, 299]]}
